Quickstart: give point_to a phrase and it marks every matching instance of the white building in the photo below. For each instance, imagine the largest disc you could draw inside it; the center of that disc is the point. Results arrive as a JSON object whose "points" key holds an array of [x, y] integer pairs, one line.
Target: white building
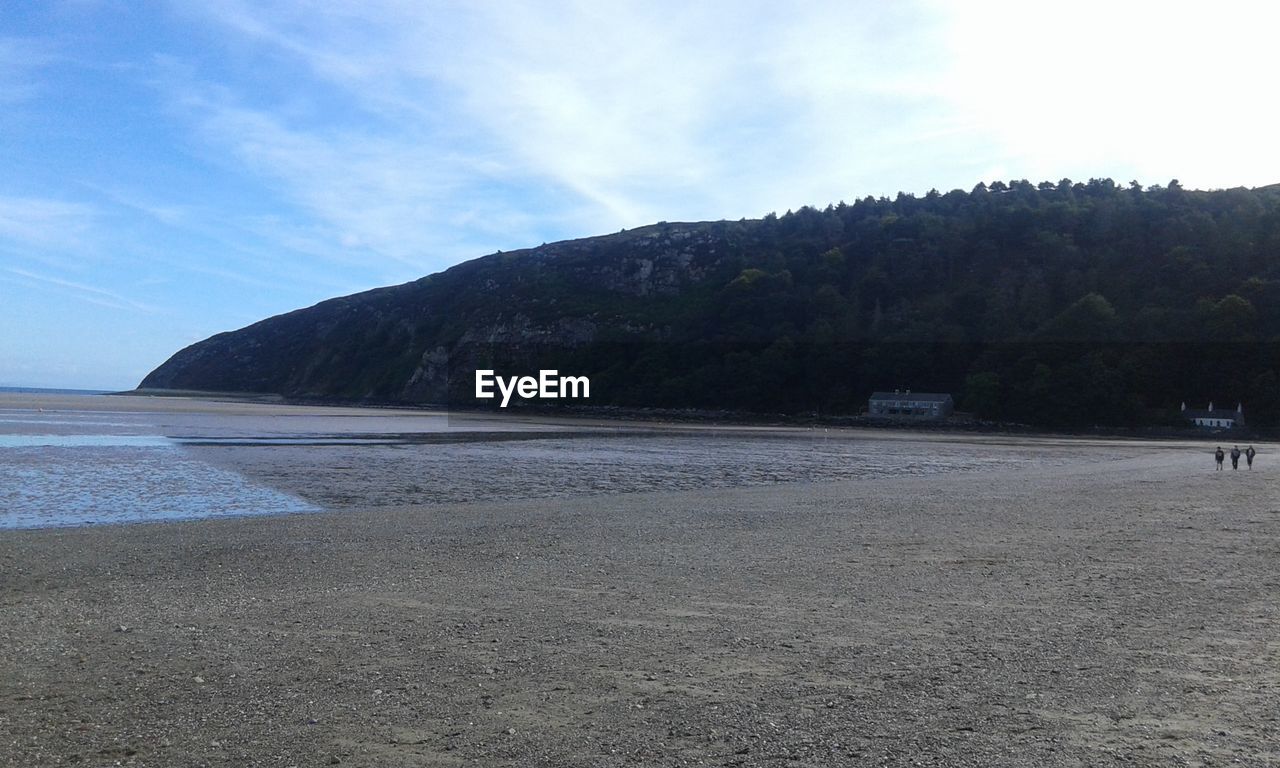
{"points": [[922, 406], [1215, 418]]}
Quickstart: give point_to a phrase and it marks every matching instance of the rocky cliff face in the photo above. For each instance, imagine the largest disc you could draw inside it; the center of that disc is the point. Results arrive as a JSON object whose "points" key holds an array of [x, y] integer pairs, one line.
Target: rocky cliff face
{"points": [[397, 343]]}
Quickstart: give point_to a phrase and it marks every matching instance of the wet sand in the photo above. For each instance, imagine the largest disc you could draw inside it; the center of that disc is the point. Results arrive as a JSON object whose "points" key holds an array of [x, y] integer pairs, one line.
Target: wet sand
{"points": [[1105, 611]]}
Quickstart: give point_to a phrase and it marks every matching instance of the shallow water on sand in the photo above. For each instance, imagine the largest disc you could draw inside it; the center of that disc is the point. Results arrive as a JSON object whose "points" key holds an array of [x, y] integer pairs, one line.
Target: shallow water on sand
{"points": [[76, 460], [83, 483], [69, 460]]}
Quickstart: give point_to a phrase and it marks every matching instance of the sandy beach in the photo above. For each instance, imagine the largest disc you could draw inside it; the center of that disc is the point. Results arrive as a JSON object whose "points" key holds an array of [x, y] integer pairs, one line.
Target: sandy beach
{"points": [[1115, 609]]}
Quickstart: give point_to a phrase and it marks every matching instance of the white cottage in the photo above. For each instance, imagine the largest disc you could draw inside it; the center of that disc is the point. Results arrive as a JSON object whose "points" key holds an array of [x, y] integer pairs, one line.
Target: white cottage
{"points": [[920, 406], [1215, 418]]}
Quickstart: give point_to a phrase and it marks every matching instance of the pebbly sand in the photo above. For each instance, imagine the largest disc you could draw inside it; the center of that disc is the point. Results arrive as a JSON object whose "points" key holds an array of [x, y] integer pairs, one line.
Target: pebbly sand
{"points": [[1117, 608]]}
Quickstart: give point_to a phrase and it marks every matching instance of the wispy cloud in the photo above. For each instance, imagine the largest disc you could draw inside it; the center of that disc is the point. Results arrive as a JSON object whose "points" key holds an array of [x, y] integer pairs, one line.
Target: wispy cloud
{"points": [[167, 213], [376, 193], [644, 110], [574, 116], [83, 292], [20, 59], [44, 223], [370, 192]]}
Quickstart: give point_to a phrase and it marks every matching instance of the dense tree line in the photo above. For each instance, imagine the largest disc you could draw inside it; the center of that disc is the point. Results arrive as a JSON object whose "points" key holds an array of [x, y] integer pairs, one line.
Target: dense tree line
{"points": [[1058, 304]]}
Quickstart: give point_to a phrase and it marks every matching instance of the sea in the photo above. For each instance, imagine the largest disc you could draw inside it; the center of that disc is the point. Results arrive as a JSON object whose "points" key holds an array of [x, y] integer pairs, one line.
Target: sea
{"points": [[74, 458], [48, 391]]}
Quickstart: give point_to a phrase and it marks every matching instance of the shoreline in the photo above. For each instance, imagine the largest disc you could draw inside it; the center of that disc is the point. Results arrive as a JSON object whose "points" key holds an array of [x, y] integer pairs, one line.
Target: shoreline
{"points": [[691, 417]]}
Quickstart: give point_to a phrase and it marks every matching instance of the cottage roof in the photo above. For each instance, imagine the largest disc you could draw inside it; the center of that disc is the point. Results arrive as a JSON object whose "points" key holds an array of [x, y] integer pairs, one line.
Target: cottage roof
{"points": [[1216, 413], [928, 397]]}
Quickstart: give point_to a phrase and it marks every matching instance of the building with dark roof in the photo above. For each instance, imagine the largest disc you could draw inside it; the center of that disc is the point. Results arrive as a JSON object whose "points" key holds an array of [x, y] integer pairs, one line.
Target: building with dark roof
{"points": [[1215, 418], [917, 406]]}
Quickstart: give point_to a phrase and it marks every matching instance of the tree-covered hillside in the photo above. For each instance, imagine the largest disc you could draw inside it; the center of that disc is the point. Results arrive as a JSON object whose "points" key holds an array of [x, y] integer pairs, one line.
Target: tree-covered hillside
{"points": [[1058, 304]]}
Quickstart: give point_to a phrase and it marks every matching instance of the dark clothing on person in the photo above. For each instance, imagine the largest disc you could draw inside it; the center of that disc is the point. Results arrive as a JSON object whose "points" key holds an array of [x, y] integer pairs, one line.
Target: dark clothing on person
{"points": [[1249, 453], [1219, 455], [1235, 458]]}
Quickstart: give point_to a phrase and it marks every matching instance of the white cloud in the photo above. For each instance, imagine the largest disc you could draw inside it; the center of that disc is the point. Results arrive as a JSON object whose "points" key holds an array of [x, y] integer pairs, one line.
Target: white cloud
{"points": [[674, 110], [44, 223], [166, 213], [463, 127], [20, 59], [1095, 88], [83, 292], [595, 115], [398, 196]]}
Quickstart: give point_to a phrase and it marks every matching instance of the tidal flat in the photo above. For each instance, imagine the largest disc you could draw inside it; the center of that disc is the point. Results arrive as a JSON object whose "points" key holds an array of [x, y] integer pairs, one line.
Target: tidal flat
{"points": [[521, 592]]}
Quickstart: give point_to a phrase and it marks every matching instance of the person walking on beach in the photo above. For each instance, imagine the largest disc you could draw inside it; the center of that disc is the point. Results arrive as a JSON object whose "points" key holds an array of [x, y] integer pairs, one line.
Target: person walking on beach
{"points": [[1249, 453], [1235, 457], [1219, 455]]}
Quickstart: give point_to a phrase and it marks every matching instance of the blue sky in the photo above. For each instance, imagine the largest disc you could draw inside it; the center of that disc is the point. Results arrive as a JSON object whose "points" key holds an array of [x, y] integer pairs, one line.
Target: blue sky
{"points": [[172, 170]]}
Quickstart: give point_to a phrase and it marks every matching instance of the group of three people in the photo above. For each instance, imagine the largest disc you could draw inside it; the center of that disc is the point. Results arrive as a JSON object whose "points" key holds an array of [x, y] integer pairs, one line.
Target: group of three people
{"points": [[1249, 453]]}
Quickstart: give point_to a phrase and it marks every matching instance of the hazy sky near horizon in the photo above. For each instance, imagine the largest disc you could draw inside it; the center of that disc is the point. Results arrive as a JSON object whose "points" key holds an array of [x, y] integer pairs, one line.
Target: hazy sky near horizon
{"points": [[170, 170]]}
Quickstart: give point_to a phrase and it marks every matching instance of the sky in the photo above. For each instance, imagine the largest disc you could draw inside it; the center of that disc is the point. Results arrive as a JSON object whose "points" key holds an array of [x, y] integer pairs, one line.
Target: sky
{"points": [[172, 170]]}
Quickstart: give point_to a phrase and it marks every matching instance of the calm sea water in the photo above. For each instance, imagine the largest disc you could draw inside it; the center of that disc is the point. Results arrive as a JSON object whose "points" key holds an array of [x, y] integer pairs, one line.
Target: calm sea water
{"points": [[65, 460], [79, 481], [78, 460], [47, 391]]}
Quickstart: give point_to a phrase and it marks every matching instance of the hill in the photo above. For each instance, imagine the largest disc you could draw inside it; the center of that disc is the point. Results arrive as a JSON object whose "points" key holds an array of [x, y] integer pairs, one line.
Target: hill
{"points": [[1058, 304]]}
